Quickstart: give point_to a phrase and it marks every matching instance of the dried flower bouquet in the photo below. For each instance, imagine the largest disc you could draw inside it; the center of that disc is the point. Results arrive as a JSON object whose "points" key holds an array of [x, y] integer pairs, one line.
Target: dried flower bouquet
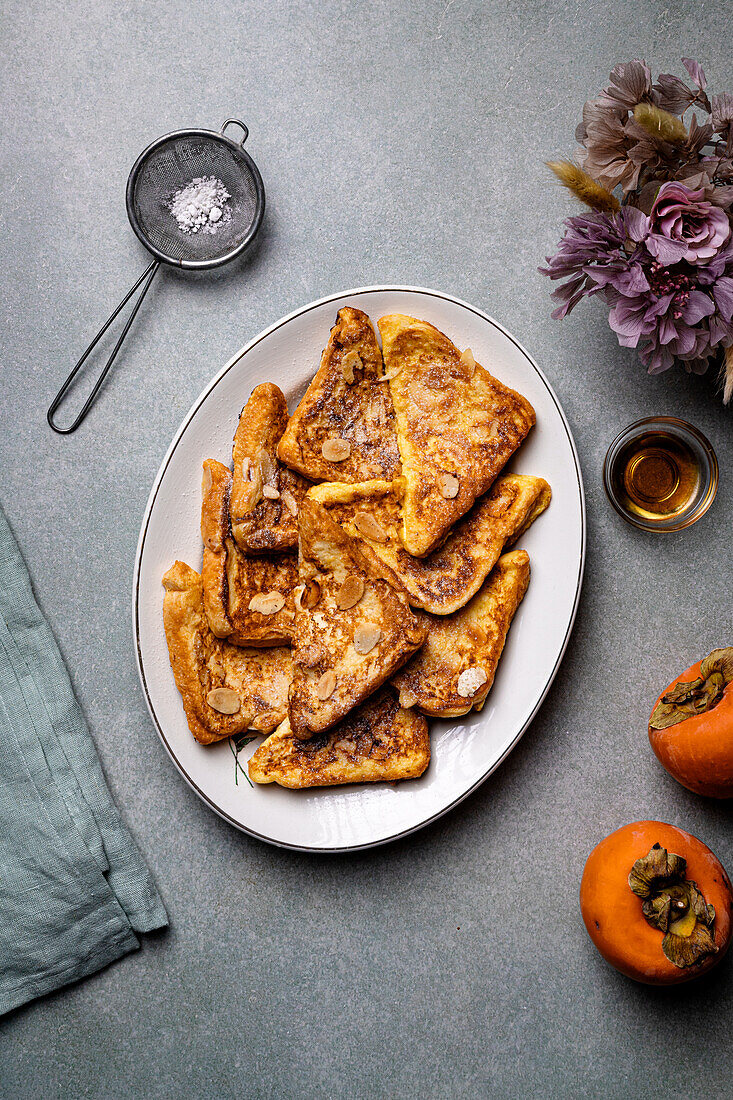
{"points": [[658, 245]]}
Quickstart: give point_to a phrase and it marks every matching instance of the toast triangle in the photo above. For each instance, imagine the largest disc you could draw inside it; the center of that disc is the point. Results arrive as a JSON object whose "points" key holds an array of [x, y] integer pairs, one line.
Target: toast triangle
{"points": [[265, 494], [352, 629], [454, 671], [378, 741], [251, 685], [348, 403], [447, 578], [456, 427]]}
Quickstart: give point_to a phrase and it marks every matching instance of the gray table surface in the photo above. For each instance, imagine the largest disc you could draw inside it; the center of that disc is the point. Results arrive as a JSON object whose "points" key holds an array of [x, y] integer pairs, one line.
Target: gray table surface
{"points": [[399, 143]]}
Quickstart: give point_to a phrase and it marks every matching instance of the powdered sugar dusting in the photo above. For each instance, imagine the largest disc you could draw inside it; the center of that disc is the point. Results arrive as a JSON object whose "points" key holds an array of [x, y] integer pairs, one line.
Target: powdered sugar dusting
{"points": [[201, 206]]}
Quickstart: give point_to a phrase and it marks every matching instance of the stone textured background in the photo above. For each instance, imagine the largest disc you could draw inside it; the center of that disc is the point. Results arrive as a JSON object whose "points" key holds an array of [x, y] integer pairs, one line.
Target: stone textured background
{"points": [[399, 142]]}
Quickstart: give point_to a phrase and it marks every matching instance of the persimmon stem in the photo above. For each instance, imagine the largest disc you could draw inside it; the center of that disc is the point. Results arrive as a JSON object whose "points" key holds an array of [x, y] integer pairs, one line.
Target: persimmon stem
{"points": [[695, 697], [674, 905]]}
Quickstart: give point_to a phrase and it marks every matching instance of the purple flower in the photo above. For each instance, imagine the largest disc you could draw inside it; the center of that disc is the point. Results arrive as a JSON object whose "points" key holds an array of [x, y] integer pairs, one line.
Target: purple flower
{"points": [[666, 314], [673, 94], [592, 255], [722, 114], [695, 70], [630, 84], [663, 263], [684, 226], [682, 312]]}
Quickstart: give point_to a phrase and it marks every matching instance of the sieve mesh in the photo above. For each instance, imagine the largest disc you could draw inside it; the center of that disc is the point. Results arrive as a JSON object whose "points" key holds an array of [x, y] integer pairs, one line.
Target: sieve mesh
{"points": [[173, 164]]}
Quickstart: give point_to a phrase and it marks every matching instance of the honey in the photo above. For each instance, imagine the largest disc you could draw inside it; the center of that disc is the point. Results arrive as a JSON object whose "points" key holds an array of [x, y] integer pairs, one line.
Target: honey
{"points": [[656, 476]]}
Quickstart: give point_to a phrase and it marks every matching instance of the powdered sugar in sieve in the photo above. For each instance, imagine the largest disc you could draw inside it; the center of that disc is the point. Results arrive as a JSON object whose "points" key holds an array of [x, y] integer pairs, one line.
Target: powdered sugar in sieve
{"points": [[201, 206]]}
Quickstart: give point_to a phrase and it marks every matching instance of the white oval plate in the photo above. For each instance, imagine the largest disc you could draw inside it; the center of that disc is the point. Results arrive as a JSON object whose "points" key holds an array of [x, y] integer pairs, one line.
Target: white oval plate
{"points": [[465, 750]]}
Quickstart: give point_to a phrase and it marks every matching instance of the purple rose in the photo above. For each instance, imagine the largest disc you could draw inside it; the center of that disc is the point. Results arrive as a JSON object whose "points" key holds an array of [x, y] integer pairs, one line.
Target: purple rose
{"points": [[684, 226]]}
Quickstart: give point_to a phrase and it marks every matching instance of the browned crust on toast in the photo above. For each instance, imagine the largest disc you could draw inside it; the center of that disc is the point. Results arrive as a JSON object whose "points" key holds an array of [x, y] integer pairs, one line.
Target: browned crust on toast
{"points": [[454, 421], [358, 410], [326, 636], [445, 580], [261, 524], [473, 638], [232, 579], [202, 662], [378, 741]]}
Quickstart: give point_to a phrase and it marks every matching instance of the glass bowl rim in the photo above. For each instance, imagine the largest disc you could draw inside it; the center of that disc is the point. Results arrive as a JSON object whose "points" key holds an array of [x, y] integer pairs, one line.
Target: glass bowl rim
{"points": [[702, 506]]}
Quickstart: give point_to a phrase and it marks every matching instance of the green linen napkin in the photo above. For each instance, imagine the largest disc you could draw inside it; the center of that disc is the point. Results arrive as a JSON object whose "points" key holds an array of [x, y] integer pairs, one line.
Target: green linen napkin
{"points": [[74, 888]]}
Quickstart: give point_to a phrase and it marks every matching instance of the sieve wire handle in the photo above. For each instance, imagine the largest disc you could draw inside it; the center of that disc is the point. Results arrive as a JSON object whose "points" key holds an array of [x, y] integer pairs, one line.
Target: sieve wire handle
{"points": [[236, 122], [146, 278]]}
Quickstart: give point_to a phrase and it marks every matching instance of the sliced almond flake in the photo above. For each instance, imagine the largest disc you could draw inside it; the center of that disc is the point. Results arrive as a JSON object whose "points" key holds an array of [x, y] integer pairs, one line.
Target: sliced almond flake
{"points": [[224, 700], [206, 480], [326, 685], [449, 486], [247, 471], [369, 526], [267, 467], [498, 507], [350, 361], [310, 594], [426, 397], [470, 680], [350, 592], [270, 492], [289, 501], [389, 375], [468, 361], [267, 603], [335, 450], [215, 667], [407, 698], [366, 637], [493, 429]]}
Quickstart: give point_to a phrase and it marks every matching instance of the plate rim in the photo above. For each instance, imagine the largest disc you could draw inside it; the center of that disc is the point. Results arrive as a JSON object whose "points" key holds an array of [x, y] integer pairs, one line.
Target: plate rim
{"points": [[144, 526]]}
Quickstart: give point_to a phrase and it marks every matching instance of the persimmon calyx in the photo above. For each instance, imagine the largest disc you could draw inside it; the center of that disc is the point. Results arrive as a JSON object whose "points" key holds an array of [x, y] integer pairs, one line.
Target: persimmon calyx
{"points": [[687, 700], [674, 905]]}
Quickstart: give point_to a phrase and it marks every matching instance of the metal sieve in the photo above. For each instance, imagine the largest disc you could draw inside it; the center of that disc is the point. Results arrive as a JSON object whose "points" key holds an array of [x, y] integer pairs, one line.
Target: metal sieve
{"points": [[161, 170]]}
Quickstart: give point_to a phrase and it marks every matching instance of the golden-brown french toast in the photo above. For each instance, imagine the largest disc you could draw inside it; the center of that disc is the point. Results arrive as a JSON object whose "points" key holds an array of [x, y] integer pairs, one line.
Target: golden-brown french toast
{"points": [[265, 494], [455, 669], [456, 427], [444, 580], [344, 429], [248, 598], [377, 741], [225, 689], [352, 629]]}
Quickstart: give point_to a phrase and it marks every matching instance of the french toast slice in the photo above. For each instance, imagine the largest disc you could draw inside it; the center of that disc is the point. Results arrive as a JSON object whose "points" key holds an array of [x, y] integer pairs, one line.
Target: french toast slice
{"points": [[225, 689], [265, 494], [446, 579], [248, 598], [344, 427], [455, 669], [353, 630], [456, 427], [377, 741]]}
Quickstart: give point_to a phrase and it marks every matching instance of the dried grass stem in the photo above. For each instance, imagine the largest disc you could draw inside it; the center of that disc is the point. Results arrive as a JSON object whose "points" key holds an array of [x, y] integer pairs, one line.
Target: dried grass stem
{"points": [[583, 186]]}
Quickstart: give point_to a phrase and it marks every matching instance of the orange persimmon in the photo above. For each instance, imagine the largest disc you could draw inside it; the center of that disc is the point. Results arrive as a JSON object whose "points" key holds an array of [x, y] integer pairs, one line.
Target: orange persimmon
{"points": [[691, 726], [657, 903]]}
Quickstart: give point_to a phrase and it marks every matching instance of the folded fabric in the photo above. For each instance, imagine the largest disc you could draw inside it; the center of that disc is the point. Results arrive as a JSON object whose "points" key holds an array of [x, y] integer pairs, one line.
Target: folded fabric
{"points": [[74, 887]]}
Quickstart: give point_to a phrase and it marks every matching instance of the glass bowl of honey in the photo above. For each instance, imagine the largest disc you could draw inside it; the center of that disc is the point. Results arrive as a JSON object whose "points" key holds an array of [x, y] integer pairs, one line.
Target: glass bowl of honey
{"points": [[661, 474]]}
